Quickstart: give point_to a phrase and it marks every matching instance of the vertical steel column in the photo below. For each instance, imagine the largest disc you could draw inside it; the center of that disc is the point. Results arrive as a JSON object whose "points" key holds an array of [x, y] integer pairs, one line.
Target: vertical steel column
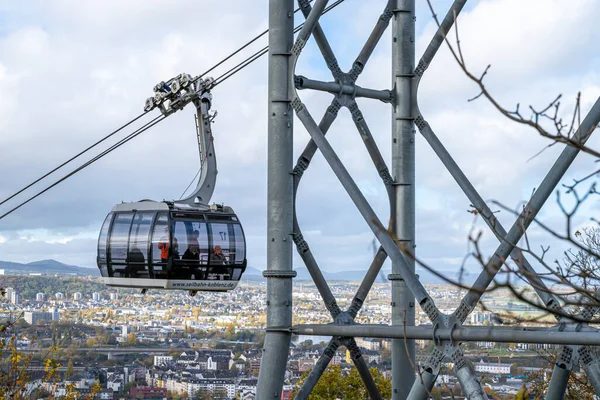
{"points": [[279, 201], [403, 171]]}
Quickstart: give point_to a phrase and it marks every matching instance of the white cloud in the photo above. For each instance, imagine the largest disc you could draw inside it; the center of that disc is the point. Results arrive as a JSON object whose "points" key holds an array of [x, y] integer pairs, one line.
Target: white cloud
{"points": [[72, 71]]}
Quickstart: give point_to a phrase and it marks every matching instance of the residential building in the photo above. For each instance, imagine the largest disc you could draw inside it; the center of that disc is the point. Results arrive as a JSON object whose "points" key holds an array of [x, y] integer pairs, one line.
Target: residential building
{"points": [[33, 317], [160, 360], [147, 392], [492, 368]]}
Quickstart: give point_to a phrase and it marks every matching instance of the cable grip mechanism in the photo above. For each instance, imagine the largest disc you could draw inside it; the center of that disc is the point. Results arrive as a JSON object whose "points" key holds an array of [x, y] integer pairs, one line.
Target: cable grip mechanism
{"points": [[174, 94]]}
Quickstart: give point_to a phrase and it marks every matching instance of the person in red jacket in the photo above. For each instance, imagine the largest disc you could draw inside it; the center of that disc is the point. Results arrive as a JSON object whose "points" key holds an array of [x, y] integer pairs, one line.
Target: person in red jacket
{"points": [[163, 245]]}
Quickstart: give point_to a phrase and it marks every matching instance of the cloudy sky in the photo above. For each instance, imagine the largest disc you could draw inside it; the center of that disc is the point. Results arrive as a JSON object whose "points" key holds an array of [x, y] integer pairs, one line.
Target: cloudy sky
{"points": [[72, 71]]}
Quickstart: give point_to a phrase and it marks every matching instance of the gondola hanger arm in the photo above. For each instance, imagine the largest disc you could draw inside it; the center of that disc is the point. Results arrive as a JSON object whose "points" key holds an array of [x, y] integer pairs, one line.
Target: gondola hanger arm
{"points": [[172, 96]]}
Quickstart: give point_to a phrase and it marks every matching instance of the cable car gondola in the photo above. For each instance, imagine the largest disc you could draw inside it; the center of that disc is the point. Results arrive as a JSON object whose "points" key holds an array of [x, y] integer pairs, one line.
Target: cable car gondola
{"points": [[184, 244]]}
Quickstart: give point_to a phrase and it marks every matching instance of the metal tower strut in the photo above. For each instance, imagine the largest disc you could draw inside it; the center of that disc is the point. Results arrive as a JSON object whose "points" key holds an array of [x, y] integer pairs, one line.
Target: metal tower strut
{"points": [[409, 380]]}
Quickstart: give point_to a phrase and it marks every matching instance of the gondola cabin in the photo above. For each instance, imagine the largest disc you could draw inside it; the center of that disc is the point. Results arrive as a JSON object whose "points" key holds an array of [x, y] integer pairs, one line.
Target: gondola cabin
{"points": [[162, 245]]}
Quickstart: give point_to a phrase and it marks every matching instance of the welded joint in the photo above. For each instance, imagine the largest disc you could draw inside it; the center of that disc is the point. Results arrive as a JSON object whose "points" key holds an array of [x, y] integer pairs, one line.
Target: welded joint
{"points": [[331, 348], [386, 177], [333, 308], [357, 115], [428, 306], [386, 15], [298, 46], [588, 313], [421, 68], [351, 345], [335, 69], [301, 167], [565, 359], [457, 357], [420, 123], [334, 107], [554, 308], [462, 312], [586, 356], [434, 361], [304, 4], [297, 104], [356, 70], [355, 307], [301, 244], [343, 318]]}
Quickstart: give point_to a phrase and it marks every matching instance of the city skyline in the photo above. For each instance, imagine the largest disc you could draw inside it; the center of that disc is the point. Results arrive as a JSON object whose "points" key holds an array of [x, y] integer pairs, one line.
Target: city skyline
{"points": [[40, 49]]}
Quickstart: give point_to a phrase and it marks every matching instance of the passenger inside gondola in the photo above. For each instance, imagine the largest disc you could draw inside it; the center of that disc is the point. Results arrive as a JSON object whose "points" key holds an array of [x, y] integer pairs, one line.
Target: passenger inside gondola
{"points": [[136, 261], [217, 257], [137, 246], [193, 250], [163, 246]]}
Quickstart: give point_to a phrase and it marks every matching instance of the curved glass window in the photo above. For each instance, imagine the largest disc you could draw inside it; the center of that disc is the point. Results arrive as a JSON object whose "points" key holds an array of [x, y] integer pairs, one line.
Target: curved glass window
{"points": [[160, 246], [102, 245], [221, 236], [191, 236], [240, 244], [138, 245], [119, 238]]}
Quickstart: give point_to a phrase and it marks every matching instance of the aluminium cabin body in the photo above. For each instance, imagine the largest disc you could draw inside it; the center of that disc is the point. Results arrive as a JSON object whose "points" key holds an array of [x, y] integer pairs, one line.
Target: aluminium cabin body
{"points": [[184, 244], [159, 245]]}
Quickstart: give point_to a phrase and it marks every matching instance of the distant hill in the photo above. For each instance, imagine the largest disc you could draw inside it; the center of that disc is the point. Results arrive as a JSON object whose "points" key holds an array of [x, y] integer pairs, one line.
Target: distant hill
{"points": [[357, 276], [29, 286], [47, 267], [53, 267]]}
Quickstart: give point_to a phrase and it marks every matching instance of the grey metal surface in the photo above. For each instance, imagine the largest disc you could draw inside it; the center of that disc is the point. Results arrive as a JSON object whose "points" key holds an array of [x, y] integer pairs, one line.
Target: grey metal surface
{"points": [[279, 201], [592, 369], [558, 383], [336, 87], [469, 382], [208, 158], [403, 172], [422, 386], [400, 183], [361, 203], [501, 334]]}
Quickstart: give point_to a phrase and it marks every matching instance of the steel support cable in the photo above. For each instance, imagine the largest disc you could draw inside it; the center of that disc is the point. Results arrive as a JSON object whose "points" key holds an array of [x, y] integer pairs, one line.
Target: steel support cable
{"points": [[202, 166], [86, 164], [239, 49], [223, 77], [73, 158], [191, 182], [260, 53]]}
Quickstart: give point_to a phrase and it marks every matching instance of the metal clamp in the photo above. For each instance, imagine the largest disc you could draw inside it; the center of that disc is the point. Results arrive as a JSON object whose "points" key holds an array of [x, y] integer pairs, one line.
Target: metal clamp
{"points": [[285, 274]]}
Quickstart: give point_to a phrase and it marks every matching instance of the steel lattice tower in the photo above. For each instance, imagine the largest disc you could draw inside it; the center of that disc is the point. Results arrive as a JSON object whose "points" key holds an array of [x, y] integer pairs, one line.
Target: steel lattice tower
{"points": [[447, 331]]}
